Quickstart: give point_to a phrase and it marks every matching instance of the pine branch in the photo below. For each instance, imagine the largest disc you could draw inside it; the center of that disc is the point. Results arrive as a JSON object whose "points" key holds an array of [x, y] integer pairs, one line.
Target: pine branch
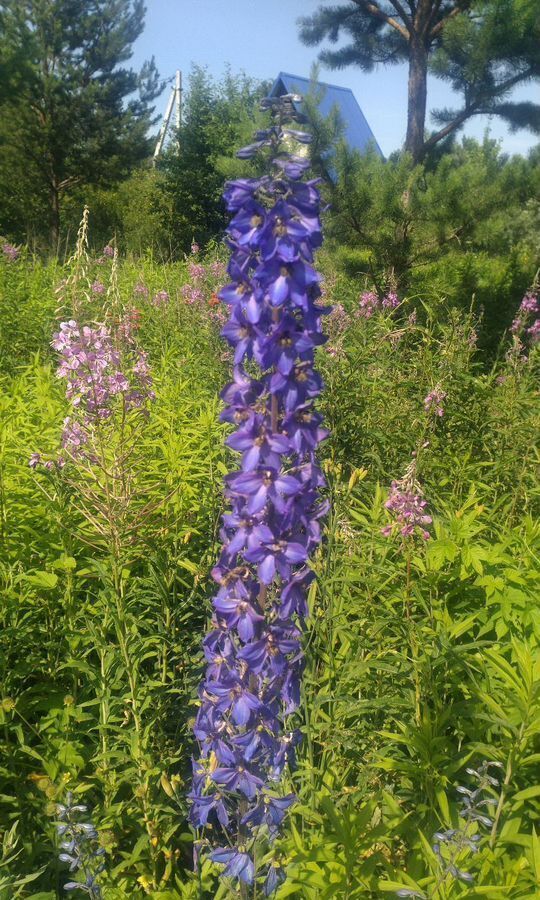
{"points": [[373, 9], [482, 104], [442, 23]]}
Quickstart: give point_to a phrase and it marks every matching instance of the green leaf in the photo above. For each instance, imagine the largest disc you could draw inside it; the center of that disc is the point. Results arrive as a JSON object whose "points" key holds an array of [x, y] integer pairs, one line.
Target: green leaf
{"points": [[528, 793], [45, 580]]}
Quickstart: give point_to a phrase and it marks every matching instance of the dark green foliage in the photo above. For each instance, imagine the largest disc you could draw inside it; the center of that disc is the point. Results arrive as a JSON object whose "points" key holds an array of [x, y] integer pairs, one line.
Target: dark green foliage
{"points": [[71, 112], [463, 231], [217, 117]]}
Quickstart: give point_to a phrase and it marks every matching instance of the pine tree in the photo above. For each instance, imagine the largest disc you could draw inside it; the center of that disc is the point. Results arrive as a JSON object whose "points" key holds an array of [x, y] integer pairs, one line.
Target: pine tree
{"points": [[483, 48], [71, 112]]}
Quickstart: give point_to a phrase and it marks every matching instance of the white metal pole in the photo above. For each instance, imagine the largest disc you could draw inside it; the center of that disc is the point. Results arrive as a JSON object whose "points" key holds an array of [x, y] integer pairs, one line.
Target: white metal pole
{"points": [[165, 125], [178, 92]]}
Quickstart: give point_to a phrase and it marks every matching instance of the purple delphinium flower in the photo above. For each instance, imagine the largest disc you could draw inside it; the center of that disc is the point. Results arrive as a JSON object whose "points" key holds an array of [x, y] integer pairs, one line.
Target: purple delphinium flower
{"points": [[238, 863], [79, 847], [254, 652]]}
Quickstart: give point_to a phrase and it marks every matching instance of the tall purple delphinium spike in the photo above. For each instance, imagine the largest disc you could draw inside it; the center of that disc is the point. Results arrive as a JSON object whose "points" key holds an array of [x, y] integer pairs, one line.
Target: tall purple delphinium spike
{"points": [[254, 650]]}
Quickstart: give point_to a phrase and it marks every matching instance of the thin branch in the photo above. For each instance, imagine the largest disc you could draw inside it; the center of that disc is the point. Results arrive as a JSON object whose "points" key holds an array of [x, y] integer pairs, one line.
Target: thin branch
{"points": [[401, 12], [374, 10], [441, 24]]}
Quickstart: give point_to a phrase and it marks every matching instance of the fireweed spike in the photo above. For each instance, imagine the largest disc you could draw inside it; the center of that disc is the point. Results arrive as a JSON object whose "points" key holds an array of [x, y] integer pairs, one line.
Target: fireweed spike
{"points": [[272, 524]]}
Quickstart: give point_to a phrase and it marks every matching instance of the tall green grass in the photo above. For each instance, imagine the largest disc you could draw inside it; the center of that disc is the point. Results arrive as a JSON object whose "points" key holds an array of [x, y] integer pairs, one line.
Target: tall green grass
{"points": [[420, 662]]}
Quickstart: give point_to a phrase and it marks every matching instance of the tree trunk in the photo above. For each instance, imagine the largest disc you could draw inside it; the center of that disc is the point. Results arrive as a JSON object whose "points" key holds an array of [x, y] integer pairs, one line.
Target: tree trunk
{"points": [[416, 111], [54, 204]]}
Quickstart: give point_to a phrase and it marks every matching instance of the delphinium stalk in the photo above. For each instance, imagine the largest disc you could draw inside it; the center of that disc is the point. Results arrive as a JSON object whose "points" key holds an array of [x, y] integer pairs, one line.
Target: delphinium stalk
{"points": [[452, 845], [79, 847], [272, 526]]}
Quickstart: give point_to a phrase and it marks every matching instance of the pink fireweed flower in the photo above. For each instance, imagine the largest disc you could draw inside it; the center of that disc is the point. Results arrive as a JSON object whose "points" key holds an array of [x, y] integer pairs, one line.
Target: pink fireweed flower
{"points": [[369, 303], [196, 271], [97, 287], [108, 252], [218, 269], [34, 460], [433, 402], [141, 289], [161, 298], [74, 436], [534, 331], [516, 325], [407, 506], [390, 300], [529, 304], [128, 325], [96, 373], [10, 251], [192, 294], [195, 248], [337, 320]]}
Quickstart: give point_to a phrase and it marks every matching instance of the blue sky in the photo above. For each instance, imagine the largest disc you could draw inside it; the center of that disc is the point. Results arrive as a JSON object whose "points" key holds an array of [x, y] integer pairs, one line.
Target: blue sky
{"points": [[261, 38]]}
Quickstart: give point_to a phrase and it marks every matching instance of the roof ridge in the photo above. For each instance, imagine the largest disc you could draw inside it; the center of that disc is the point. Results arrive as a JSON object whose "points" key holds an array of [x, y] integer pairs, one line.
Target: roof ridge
{"points": [[337, 87]]}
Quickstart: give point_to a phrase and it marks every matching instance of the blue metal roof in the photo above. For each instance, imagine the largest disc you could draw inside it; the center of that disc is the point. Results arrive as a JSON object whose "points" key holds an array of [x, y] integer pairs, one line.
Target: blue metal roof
{"points": [[357, 132]]}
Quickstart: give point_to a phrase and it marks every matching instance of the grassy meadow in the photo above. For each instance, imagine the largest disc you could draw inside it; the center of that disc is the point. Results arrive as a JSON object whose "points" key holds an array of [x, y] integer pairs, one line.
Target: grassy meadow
{"points": [[422, 656]]}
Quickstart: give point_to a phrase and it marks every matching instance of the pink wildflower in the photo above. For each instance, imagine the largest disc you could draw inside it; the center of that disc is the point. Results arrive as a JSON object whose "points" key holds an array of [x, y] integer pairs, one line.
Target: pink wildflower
{"points": [[10, 251], [196, 271], [408, 509], [534, 331], [369, 303], [433, 402], [141, 289], [407, 505], [390, 300], [161, 298]]}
